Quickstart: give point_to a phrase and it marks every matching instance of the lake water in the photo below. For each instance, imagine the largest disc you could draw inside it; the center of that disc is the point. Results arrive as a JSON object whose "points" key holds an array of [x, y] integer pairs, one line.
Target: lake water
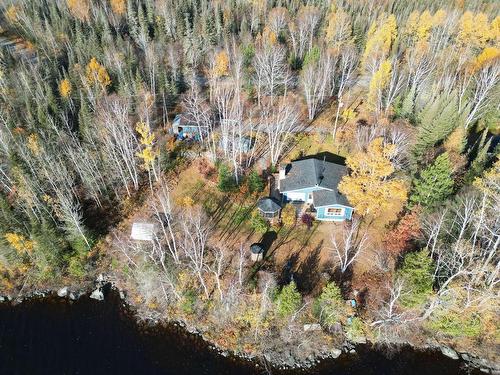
{"points": [[56, 336]]}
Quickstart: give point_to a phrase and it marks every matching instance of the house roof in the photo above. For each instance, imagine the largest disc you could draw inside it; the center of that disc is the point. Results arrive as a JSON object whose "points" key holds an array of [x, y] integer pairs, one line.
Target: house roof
{"points": [[312, 173], [268, 205], [183, 119], [142, 231], [328, 197]]}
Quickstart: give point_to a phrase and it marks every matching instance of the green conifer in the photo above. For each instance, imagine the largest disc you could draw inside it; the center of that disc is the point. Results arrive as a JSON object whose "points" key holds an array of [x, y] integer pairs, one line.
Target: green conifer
{"points": [[434, 184]]}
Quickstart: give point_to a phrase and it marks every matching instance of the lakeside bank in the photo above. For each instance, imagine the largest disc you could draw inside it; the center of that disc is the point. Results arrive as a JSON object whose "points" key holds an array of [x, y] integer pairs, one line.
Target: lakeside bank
{"points": [[116, 304]]}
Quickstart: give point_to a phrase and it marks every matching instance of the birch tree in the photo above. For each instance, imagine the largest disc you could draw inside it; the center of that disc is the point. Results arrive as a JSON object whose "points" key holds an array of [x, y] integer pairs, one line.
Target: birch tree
{"points": [[317, 83], [351, 244]]}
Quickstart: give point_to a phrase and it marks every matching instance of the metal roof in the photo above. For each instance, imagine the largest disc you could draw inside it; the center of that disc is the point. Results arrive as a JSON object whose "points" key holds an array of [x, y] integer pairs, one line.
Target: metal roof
{"points": [[142, 231]]}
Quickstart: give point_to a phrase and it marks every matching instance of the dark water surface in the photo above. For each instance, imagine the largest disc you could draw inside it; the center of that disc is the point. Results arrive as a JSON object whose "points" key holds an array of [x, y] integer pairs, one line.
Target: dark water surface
{"points": [[56, 336]]}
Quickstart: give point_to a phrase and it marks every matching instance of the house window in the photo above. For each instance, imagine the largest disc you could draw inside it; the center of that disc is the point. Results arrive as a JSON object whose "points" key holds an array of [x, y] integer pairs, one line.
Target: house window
{"points": [[334, 211]]}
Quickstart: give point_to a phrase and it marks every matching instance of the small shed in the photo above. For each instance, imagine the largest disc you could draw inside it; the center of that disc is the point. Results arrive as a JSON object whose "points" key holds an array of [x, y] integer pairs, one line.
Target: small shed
{"points": [[269, 208], [142, 231], [257, 252]]}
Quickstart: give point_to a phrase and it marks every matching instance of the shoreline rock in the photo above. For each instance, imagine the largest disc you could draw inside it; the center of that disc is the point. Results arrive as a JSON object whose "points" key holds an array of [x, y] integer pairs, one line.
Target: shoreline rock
{"points": [[449, 352], [97, 294], [63, 292]]}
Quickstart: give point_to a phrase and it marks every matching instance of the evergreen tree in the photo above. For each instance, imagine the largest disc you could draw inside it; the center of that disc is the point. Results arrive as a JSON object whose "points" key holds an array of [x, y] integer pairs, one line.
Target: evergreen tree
{"points": [[226, 181], [437, 120], [288, 300], [417, 274], [254, 182], [434, 184], [330, 306]]}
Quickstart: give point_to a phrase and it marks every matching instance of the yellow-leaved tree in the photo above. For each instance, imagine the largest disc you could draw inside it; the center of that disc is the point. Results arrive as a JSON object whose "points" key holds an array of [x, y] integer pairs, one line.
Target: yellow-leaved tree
{"points": [[338, 28], [289, 215], [11, 13], [419, 26], [79, 8], [147, 155], [65, 88], [97, 74], [119, 7], [489, 56], [381, 35], [474, 30], [19, 243], [221, 64], [369, 187], [378, 83]]}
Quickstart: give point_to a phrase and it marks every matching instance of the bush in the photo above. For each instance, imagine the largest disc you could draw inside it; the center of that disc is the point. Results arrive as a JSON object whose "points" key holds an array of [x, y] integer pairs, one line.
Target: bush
{"points": [[188, 302], [356, 329], [225, 180], [307, 220], [258, 223], [289, 215], [241, 214], [456, 324], [288, 300], [255, 183], [76, 267]]}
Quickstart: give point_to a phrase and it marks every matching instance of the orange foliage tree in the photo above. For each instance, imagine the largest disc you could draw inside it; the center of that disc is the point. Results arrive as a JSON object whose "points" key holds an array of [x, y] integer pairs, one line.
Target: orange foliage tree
{"points": [[398, 239]]}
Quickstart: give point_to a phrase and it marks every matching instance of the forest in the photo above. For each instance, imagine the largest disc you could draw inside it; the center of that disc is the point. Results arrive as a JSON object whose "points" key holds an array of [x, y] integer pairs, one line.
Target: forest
{"points": [[407, 92]]}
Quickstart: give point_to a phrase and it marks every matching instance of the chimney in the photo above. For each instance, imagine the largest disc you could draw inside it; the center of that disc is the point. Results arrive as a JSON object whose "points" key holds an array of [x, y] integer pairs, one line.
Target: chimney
{"points": [[283, 168]]}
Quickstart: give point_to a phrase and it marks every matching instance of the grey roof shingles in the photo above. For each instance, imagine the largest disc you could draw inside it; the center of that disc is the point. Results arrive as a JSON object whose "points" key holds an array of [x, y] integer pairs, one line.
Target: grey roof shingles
{"points": [[314, 173], [328, 197], [268, 205]]}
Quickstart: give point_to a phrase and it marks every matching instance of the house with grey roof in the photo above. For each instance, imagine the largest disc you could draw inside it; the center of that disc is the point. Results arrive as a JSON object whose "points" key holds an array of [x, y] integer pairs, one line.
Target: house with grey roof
{"points": [[314, 182]]}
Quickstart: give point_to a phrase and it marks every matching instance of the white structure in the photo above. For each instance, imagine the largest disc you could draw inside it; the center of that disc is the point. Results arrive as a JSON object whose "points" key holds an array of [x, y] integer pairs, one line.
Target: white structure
{"points": [[142, 231]]}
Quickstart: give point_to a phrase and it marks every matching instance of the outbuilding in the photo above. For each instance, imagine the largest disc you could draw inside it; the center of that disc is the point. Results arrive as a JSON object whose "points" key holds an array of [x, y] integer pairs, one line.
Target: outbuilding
{"points": [[142, 231], [269, 208], [257, 251]]}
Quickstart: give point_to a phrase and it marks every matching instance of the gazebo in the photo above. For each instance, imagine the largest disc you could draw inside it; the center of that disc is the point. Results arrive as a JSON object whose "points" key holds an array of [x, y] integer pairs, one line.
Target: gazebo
{"points": [[269, 208]]}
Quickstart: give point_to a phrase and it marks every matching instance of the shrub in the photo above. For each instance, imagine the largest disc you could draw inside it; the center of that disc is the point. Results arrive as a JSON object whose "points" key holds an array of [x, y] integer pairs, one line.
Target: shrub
{"points": [[226, 181], [456, 324], [307, 220], [289, 216], [288, 300], [188, 302], [255, 183], [258, 223]]}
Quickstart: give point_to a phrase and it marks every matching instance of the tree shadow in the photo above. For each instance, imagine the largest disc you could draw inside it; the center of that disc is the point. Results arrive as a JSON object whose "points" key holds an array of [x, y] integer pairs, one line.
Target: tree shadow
{"points": [[308, 275], [285, 275], [343, 279], [327, 156], [267, 240]]}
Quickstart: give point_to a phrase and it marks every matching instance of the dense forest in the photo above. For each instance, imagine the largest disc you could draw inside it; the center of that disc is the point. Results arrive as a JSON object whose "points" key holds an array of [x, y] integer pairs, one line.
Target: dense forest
{"points": [[406, 91]]}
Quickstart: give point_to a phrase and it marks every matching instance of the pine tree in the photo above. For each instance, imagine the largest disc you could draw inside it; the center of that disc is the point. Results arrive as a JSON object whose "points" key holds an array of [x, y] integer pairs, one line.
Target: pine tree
{"points": [[417, 273], [288, 300], [434, 184], [437, 121]]}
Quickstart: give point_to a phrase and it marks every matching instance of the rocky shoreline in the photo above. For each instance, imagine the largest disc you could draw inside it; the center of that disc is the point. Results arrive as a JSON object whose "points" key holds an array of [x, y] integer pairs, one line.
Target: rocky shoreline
{"points": [[285, 360]]}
